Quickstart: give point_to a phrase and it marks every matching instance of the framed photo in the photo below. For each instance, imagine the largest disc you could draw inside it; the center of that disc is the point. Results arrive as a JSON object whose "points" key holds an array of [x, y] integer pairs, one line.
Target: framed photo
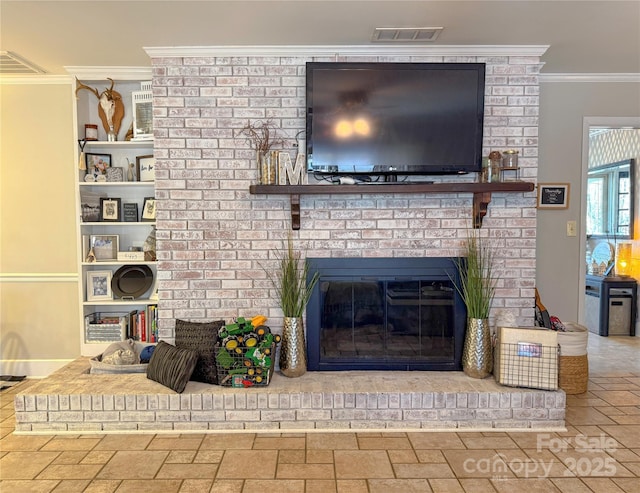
{"points": [[104, 247], [110, 209], [553, 195], [149, 209], [97, 164], [99, 285], [90, 205], [145, 168]]}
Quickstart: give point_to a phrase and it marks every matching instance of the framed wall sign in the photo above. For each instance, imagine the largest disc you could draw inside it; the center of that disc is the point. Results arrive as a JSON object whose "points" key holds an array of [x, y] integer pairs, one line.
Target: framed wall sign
{"points": [[553, 195], [115, 174], [110, 209], [146, 168], [149, 209], [142, 102], [130, 212]]}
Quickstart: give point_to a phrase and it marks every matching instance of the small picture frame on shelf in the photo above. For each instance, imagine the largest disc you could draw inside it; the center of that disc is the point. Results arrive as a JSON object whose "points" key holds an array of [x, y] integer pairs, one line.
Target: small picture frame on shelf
{"points": [[110, 209], [142, 105], [553, 195], [97, 164], [130, 212], [115, 174], [104, 247], [146, 168], [149, 209], [99, 285], [90, 206]]}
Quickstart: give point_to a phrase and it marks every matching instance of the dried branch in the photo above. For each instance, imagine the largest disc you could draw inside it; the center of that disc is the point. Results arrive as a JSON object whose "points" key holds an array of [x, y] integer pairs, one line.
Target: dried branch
{"points": [[262, 136]]}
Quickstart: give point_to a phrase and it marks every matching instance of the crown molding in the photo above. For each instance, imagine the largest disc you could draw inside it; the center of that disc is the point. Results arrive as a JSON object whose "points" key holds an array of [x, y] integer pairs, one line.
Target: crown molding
{"points": [[101, 73], [631, 77], [354, 50], [34, 79]]}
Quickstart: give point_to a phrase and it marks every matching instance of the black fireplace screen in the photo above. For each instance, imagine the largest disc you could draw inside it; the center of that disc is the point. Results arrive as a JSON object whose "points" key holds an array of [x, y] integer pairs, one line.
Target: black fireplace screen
{"points": [[361, 317]]}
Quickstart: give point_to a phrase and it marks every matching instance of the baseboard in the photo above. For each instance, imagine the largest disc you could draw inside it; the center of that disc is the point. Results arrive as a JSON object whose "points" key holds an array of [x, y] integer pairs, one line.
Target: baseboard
{"points": [[32, 368]]}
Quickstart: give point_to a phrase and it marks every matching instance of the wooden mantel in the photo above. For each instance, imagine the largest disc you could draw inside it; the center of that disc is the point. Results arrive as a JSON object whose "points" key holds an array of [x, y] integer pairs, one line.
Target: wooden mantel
{"points": [[481, 193]]}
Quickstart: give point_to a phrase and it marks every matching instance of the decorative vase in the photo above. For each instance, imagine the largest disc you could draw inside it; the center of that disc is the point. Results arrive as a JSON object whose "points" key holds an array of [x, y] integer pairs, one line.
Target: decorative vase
{"points": [[268, 167], [293, 350], [477, 353]]}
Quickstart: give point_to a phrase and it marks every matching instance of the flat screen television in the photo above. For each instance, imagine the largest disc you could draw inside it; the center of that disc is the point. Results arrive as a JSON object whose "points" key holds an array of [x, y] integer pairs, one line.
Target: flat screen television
{"points": [[394, 118]]}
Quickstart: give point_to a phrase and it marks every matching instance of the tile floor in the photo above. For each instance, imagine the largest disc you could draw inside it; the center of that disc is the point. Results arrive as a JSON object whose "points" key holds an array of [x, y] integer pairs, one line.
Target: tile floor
{"points": [[599, 452]]}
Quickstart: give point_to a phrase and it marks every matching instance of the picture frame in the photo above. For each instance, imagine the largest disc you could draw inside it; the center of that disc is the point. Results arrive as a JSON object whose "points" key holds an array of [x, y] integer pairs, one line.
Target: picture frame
{"points": [[97, 164], [110, 209], [146, 168], [149, 209], [115, 174], [99, 285], [553, 195], [90, 206], [104, 247], [130, 212], [142, 106]]}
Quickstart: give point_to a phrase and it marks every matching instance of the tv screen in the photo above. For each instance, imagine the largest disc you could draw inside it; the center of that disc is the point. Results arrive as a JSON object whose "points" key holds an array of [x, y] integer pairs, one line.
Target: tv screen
{"points": [[394, 118]]}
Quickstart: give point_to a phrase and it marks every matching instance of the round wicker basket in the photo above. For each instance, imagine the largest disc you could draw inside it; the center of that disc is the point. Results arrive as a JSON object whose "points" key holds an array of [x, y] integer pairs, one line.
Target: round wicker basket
{"points": [[573, 363], [573, 374]]}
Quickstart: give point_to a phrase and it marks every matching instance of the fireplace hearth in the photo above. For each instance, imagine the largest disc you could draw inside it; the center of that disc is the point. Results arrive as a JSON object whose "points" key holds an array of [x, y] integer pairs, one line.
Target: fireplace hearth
{"points": [[385, 314]]}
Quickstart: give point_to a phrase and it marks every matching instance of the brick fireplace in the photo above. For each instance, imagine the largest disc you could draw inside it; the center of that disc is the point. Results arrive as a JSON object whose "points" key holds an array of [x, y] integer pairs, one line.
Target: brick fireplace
{"points": [[214, 237]]}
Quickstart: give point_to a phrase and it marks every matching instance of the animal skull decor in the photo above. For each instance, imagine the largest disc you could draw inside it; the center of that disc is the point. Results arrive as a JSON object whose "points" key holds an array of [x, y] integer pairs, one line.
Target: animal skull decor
{"points": [[110, 108]]}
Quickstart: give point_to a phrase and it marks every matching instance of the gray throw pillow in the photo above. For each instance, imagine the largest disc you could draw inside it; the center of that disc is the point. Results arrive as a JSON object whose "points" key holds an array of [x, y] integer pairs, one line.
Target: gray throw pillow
{"points": [[171, 366], [200, 337]]}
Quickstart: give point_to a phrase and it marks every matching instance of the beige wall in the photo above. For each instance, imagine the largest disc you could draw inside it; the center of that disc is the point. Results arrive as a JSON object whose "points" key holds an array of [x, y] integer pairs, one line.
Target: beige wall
{"points": [[38, 287], [563, 106]]}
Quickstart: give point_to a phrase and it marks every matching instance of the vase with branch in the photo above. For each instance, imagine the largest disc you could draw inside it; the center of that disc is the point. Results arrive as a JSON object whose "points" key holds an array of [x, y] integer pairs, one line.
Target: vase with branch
{"points": [[263, 137]]}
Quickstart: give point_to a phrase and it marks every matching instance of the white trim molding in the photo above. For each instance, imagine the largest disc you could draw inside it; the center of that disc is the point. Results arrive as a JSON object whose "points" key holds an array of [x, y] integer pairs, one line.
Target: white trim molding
{"points": [[38, 277], [35, 79], [354, 50], [630, 77], [116, 73]]}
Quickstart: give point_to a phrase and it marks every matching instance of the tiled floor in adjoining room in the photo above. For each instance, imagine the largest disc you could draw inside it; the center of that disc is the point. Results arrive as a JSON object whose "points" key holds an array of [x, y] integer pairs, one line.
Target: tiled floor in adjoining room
{"points": [[599, 452]]}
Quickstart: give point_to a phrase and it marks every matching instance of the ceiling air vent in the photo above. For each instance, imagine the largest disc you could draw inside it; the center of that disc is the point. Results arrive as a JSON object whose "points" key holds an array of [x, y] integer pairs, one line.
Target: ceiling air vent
{"points": [[12, 64], [405, 34]]}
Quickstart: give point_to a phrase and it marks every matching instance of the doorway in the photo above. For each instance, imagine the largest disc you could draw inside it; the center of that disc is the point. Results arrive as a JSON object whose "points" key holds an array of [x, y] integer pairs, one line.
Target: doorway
{"points": [[624, 148]]}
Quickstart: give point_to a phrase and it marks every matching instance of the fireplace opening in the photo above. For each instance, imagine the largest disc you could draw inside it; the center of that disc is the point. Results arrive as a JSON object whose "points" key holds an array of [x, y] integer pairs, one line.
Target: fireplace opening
{"points": [[385, 314]]}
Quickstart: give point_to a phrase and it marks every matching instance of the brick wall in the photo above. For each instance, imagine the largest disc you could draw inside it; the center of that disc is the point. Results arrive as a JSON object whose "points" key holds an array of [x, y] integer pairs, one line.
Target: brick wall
{"points": [[214, 237]]}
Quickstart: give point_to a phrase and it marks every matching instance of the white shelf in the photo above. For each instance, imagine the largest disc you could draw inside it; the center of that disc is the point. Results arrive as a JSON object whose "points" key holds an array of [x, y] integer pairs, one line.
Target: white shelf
{"points": [[138, 302], [107, 184], [118, 143], [121, 262], [114, 223]]}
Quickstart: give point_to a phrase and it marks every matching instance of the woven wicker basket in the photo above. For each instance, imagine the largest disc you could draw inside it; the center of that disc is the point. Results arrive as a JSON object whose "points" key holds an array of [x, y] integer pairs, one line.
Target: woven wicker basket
{"points": [[573, 374]]}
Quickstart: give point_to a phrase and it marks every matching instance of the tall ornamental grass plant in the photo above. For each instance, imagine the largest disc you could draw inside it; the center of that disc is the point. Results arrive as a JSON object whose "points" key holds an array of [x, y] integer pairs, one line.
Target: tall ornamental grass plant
{"points": [[478, 278], [291, 281]]}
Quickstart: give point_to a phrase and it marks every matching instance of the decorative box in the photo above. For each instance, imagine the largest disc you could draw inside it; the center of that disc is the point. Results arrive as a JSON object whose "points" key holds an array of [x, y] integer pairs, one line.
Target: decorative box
{"points": [[131, 256], [105, 327], [527, 357]]}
